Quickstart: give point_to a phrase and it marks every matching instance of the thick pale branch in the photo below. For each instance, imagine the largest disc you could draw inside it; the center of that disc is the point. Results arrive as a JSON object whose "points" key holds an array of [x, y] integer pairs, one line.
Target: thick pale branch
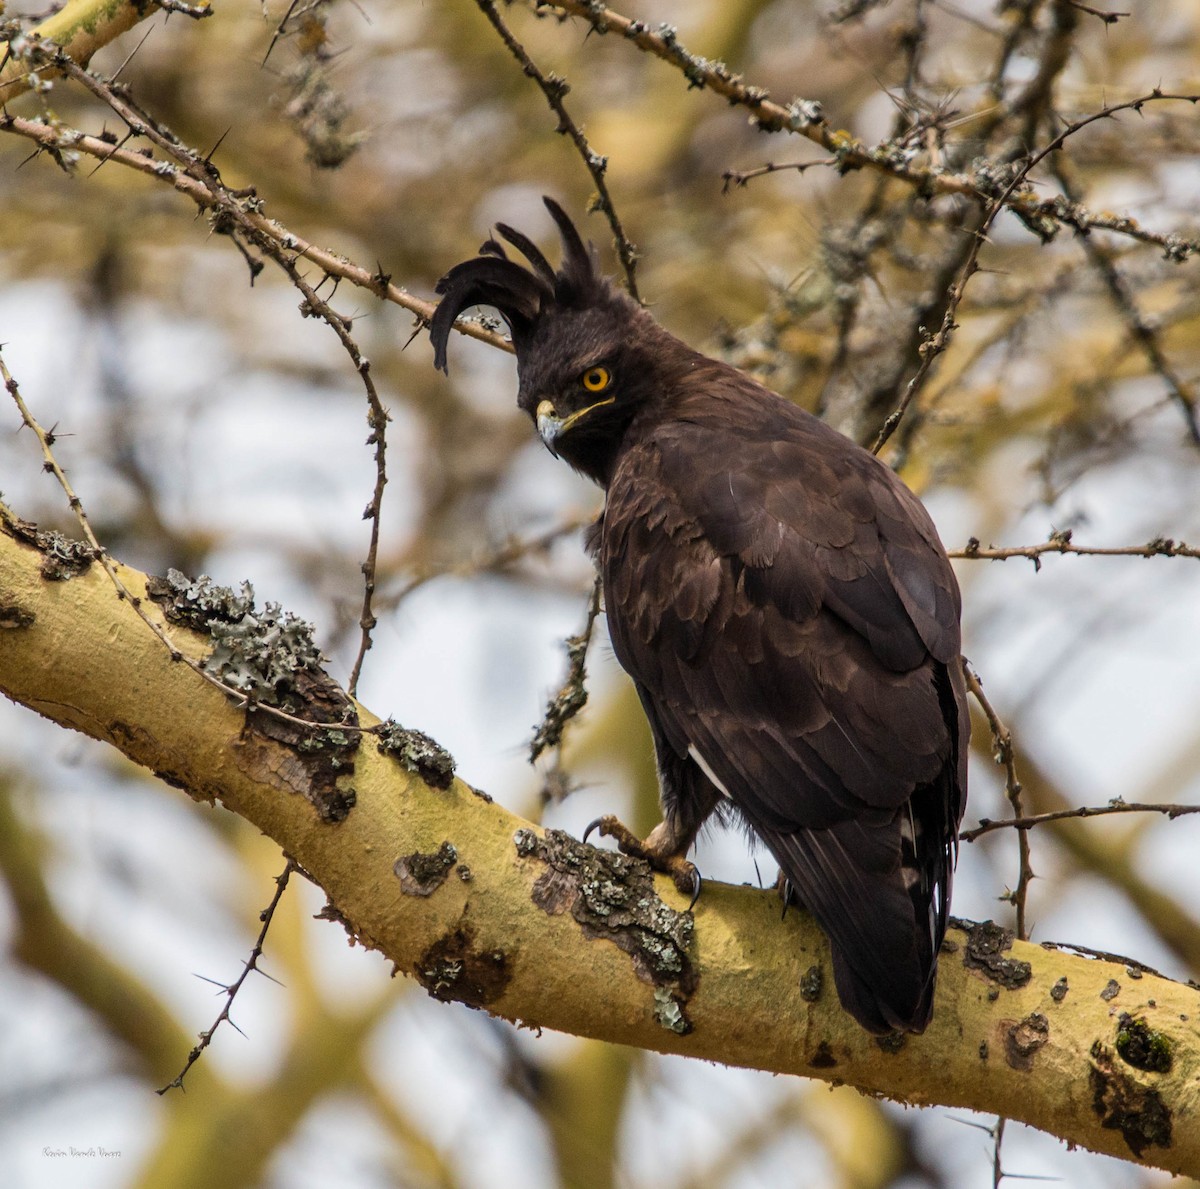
{"points": [[484, 908], [79, 30]]}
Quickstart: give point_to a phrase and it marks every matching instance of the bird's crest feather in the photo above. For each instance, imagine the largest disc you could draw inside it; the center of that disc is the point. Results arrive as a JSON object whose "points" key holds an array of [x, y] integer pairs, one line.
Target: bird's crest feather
{"points": [[519, 294]]}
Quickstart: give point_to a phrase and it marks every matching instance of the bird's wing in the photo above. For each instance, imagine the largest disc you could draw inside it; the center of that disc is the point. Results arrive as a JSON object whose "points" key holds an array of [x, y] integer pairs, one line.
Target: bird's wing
{"points": [[781, 604], [784, 603]]}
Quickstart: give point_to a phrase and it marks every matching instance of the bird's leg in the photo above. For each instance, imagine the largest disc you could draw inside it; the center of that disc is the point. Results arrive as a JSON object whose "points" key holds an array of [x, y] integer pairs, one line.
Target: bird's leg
{"points": [[664, 848]]}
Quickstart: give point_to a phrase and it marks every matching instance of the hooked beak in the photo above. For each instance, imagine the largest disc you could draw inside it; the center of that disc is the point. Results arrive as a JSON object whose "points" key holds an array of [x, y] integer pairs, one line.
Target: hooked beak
{"points": [[551, 426]]}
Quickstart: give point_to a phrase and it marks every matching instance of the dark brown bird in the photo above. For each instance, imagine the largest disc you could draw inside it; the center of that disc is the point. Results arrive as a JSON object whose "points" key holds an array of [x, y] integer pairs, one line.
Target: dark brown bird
{"points": [[781, 601]]}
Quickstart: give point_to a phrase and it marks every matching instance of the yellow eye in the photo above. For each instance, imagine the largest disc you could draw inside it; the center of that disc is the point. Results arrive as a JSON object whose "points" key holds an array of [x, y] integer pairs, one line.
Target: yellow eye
{"points": [[596, 379]]}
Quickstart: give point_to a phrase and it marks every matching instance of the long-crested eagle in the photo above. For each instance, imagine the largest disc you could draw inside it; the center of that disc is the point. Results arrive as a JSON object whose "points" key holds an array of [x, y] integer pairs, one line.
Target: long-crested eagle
{"points": [[781, 601]]}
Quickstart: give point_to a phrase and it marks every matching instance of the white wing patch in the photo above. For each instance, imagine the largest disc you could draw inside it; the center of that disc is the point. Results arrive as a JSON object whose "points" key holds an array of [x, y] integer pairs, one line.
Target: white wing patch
{"points": [[702, 763]]}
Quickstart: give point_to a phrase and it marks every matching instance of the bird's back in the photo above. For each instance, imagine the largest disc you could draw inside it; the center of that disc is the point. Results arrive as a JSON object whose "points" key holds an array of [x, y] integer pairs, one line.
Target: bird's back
{"points": [[792, 622]]}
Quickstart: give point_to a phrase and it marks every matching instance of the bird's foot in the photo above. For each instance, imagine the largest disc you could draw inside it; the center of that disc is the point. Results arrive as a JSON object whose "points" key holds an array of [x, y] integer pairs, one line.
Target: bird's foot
{"points": [[660, 848]]}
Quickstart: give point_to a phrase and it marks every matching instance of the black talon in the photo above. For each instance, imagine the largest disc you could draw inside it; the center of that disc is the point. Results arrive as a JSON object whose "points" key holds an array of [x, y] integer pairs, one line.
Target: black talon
{"points": [[787, 898], [592, 826], [699, 885]]}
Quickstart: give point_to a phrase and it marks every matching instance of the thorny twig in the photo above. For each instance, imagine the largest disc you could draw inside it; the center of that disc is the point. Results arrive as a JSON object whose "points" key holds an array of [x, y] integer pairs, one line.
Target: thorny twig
{"points": [[741, 177], [63, 142], [554, 88], [1060, 542], [231, 989], [1140, 330], [234, 211], [377, 419], [1109, 18], [572, 696], [239, 697], [997, 1144], [280, 29], [806, 118], [935, 344], [230, 221], [1116, 806], [1003, 754]]}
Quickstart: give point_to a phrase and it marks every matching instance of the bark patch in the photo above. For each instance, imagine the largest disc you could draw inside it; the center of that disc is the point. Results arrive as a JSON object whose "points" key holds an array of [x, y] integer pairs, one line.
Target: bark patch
{"points": [[270, 656], [422, 874], [62, 557], [1121, 1104], [985, 950], [453, 969], [612, 896], [14, 617], [1023, 1040]]}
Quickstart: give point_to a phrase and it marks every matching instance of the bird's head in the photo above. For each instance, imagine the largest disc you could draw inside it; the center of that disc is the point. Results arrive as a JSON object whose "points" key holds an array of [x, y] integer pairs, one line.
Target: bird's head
{"points": [[585, 350]]}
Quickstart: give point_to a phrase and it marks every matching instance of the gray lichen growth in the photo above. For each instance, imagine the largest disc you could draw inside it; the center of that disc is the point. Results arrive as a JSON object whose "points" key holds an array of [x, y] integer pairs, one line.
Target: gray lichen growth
{"points": [[668, 1011], [260, 652], [417, 752], [62, 557], [1058, 992], [612, 896], [201, 603], [811, 983], [1111, 990], [271, 657]]}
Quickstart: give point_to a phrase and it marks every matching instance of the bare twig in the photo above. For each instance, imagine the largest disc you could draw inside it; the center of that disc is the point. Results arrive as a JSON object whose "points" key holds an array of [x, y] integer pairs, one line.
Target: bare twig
{"points": [[232, 220], [997, 1144], [740, 177], [554, 88], [66, 143], [280, 29], [805, 117], [572, 696], [1116, 806], [1140, 330], [1060, 542], [1109, 18], [231, 989], [936, 343], [238, 697], [1003, 755], [377, 419]]}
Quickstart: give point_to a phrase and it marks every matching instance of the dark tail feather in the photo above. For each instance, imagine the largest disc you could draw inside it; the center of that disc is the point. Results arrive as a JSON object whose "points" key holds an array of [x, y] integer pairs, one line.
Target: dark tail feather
{"points": [[881, 893], [882, 1012]]}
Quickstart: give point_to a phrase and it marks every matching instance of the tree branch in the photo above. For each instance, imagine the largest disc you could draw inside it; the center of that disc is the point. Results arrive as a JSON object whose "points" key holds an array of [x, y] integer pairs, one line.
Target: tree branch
{"points": [[67, 143], [79, 30], [482, 908]]}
